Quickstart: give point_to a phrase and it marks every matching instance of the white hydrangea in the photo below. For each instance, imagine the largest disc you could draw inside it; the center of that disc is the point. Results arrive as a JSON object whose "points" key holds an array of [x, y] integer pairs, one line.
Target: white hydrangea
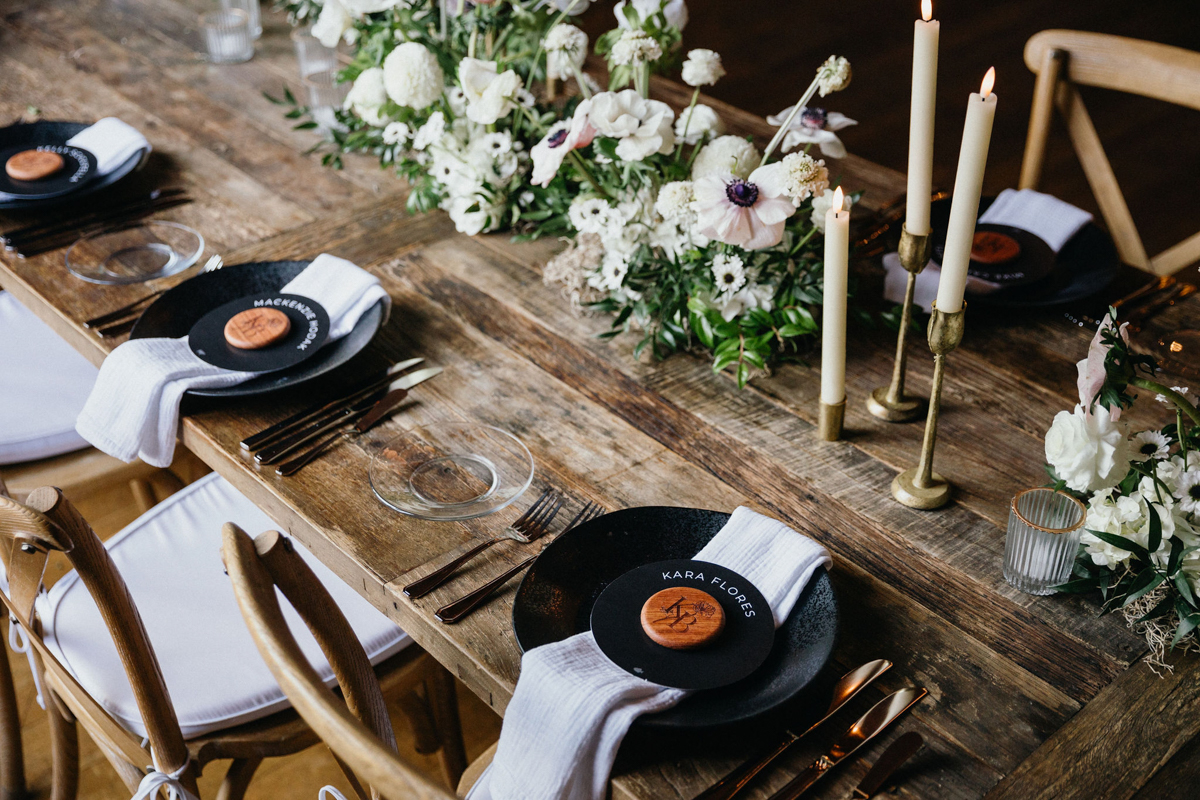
{"points": [[397, 133], [412, 76], [833, 75], [490, 94], [333, 23], [431, 132], [725, 155], [566, 49], [699, 122], [702, 68], [591, 214], [635, 47], [367, 96], [675, 200]]}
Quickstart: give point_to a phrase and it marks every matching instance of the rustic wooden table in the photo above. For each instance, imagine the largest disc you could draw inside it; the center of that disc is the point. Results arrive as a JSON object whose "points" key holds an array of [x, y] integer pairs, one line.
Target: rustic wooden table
{"points": [[1029, 697]]}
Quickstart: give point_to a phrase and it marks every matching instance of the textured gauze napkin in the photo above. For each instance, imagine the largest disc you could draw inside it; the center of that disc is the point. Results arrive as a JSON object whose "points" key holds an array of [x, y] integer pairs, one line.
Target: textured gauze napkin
{"points": [[572, 705], [1043, 215], [112, 142], [133, 410]]}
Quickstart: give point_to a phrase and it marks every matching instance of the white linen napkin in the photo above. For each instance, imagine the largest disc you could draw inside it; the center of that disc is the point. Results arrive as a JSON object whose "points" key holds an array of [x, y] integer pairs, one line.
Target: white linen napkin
{"points": [[133, 410], [1045, 216], [572, 705], [112, 142]]}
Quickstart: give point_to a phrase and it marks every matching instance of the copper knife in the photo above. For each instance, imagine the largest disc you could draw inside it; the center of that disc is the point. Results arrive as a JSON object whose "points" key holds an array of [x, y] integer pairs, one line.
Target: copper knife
{"points": [[846, 689], [867, 727], [899, 751]]}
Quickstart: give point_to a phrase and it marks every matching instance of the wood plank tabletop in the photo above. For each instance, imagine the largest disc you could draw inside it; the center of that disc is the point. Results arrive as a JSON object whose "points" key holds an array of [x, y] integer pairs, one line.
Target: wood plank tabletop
{"points": [[1029, 696]]}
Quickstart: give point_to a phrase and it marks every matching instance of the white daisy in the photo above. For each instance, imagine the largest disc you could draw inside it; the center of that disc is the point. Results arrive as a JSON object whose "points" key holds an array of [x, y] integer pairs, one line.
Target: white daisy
{"points": [[396, 133], [590, 214], [729, 272], [1150, 444], [1188, 491]]}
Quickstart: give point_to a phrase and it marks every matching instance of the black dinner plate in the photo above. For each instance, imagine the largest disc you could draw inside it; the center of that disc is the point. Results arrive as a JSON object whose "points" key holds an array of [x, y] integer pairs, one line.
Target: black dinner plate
{"points": [[1086, 265], [174, 313], [555, 599], [32, 134]]}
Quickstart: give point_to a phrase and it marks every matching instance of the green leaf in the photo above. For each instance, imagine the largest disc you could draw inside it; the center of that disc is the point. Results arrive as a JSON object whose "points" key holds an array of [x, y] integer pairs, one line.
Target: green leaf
{"points": [[1155, 580], [1078, 586], [1186, 625], [1155, 540], [1161, 610], [743, 376], [303, 126], [287, 95], [724, 360], [1185, 589], [703, 329], [1176, 556]]}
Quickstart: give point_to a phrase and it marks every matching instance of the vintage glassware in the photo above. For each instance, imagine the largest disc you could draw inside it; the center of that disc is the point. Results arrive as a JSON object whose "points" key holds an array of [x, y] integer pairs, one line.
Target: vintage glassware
{"points": [[253, 12], [227, 36], [311, 55], [1044, 527]]}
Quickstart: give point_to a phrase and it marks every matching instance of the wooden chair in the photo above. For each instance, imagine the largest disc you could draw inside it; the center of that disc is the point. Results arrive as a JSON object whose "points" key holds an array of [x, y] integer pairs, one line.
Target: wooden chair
{"points": [[1064, 59], [357, 730], [48, 522]]}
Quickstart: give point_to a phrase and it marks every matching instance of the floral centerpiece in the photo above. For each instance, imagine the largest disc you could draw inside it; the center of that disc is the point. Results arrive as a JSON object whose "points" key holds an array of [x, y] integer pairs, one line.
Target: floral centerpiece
{"points": [[687, 236], [1141, 542]]}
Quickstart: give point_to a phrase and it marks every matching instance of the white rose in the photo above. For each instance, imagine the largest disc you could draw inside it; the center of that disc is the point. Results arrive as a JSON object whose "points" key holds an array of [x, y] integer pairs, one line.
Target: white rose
{"points": [[412, 76], [1088, 451], [702, 68], [367, 96], [699, 122], [333, 23], [674, 10], [490, 96], [725, 155]]}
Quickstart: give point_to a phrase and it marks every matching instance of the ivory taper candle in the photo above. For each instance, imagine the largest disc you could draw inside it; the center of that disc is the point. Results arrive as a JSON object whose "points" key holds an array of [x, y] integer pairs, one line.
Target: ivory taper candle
{"points": [[920, 123], [968, 183], [833, 311]]}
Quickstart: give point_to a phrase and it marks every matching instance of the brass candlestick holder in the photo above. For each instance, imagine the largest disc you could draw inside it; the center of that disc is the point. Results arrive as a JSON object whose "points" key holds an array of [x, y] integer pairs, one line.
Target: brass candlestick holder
{"points": [[889, 402], [922, 487], [830, 419]]}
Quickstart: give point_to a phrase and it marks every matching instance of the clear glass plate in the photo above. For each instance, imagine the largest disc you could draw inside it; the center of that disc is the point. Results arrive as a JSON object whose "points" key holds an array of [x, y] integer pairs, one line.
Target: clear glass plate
{"points": [[135, 253], [451, 471]]}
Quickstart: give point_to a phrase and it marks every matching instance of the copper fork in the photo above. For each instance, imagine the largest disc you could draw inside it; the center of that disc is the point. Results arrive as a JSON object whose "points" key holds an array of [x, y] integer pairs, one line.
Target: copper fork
{"points": [[528, 527]]}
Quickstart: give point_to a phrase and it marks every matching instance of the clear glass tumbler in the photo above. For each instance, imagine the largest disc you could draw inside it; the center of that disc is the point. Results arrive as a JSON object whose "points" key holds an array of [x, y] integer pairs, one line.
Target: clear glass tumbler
{"points": [[1044, 527], [253, 11], [227, 36], [311, 55]]}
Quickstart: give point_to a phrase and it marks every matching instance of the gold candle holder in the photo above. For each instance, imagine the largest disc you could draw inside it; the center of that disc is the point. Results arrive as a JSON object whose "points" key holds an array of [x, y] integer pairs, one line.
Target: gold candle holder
{"points": [[922, 487], [889, 402], [829, 420]]}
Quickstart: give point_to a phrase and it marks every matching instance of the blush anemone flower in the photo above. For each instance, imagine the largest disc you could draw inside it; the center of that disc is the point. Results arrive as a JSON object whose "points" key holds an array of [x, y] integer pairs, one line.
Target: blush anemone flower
{"points": [[562, 138], [748, 213]]}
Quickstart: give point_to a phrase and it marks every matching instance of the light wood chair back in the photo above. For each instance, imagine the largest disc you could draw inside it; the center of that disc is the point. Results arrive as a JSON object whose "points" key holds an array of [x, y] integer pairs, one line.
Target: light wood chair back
{"points": [[1064, 59], [358, 729], [28, 533]]}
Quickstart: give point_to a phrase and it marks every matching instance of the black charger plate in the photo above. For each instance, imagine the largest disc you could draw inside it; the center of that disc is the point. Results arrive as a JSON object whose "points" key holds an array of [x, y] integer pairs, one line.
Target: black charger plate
{"points": [[1087, 264], [174, 313], [556, 596], [32, 134]]}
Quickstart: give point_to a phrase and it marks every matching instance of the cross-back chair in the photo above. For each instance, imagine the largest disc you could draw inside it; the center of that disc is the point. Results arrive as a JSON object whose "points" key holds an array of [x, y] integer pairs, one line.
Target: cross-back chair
{"points": [[357, 729], [46, 522], [1064, 59]]}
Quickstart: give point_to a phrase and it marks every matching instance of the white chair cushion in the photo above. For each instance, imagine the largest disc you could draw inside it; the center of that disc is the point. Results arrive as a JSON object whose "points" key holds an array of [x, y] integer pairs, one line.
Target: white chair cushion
{"points": [[43, 385], [170, 558]]}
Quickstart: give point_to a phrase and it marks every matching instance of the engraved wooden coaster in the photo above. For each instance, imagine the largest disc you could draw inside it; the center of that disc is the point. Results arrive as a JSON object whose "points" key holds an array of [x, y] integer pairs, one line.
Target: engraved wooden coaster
{"points": [[256, 328], [991, 247], [682, 617], [33, 165]]}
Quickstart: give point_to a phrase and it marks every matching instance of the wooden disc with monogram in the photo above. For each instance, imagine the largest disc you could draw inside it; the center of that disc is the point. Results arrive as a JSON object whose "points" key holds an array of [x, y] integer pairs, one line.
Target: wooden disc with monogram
{"points": [[256, 328], [33, 165], [682, 617]]}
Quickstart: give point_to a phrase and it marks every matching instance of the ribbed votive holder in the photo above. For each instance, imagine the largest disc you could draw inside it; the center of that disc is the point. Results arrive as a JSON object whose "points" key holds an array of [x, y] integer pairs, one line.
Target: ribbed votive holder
{"points": [[1044, 527], [227, 36]]}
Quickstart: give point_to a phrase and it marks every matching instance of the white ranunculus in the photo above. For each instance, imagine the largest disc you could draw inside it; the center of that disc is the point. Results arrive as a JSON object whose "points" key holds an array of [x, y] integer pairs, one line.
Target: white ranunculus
{"points": [[702, 68], [674, 10], [1089, 452], [566, 49], [490, 96], [699, 122], [412, 76], [333, 23], [367, 96], [654, 135], [643, 126], [725, 155]]}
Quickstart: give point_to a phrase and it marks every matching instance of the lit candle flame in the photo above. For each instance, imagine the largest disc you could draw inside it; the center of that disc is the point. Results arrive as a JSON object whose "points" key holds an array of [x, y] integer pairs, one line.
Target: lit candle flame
{"points": [[989, 81], [927, 10], [837, 201]]}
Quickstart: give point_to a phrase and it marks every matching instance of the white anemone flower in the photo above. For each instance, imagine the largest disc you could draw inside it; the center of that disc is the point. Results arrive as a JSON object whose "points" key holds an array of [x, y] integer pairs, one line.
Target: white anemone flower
{"points": [[490, 95], [1148, 445], [643, 126], [813, 126]]}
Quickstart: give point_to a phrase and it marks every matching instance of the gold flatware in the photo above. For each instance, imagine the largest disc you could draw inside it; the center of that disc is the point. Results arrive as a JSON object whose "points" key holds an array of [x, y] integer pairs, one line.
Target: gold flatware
{"points": [[346, 415], [279, 429], [868, 726], [529, 526], [122, 320], [844, 691], [1149, 310], [57, 225], [899, 751], [454, 612]]}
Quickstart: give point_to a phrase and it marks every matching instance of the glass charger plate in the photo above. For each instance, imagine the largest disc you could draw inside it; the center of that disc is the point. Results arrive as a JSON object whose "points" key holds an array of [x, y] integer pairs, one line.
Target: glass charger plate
{"points": [[135, 253]]}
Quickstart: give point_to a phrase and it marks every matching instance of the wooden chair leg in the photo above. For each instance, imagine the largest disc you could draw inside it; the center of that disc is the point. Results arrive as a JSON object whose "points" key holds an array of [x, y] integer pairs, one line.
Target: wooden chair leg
{"points": [[64, 748], [12, 760], [143, 494], [443, 699], [237, 778]]}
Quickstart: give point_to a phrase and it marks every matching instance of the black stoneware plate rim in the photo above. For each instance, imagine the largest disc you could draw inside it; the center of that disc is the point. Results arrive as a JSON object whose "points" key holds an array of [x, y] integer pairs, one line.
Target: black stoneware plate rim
{"points": [[1086, 264], [51, 132], [79, 167], [174, 312], [555, 598]]}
